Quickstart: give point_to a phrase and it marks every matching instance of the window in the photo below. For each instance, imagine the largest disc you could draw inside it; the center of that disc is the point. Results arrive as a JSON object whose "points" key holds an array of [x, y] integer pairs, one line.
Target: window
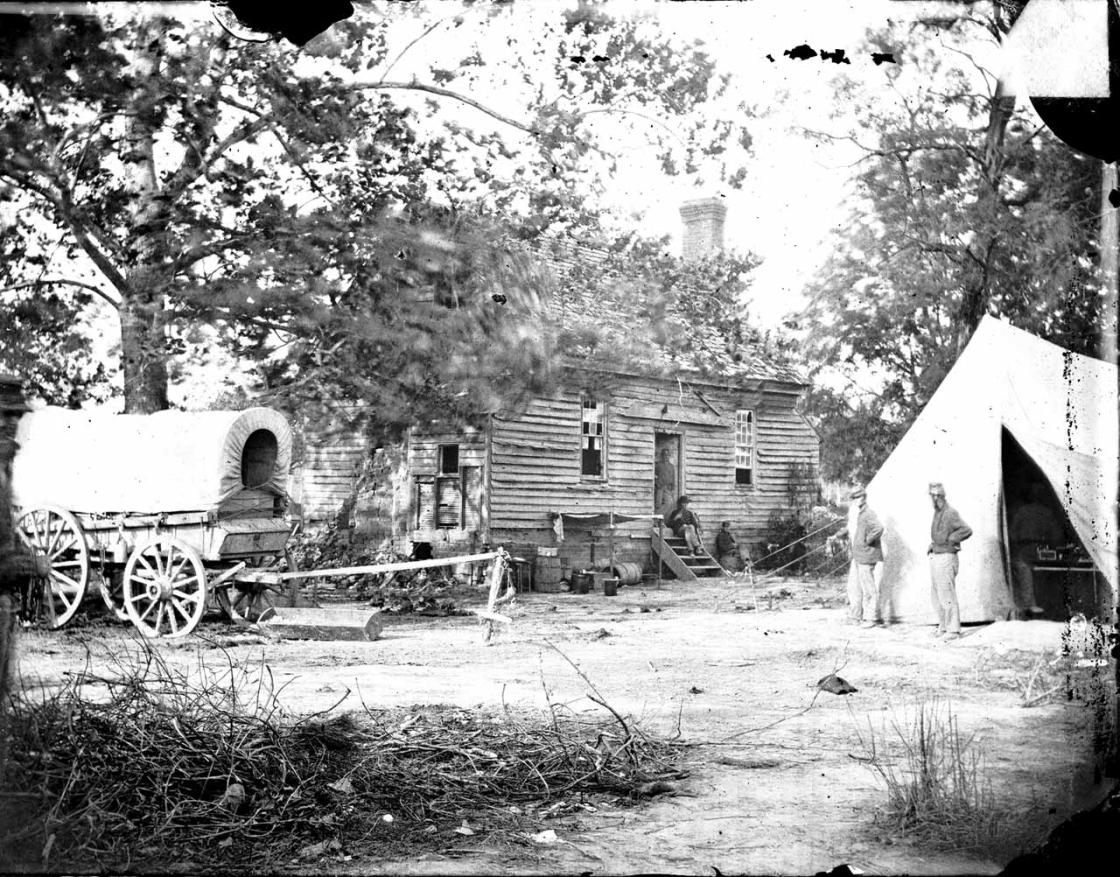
{"points": [[591, 438], [744, 447], [448, 459]]}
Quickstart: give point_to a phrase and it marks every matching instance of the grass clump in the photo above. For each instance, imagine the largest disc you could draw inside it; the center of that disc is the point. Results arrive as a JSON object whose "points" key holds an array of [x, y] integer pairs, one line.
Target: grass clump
{"points": [[157, 767], [936, 781]]}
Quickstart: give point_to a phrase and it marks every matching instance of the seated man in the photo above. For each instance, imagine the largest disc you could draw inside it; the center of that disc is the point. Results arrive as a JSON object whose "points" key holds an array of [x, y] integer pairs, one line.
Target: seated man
{"points": [[685, 524], [727, 549], [1033, 526]]}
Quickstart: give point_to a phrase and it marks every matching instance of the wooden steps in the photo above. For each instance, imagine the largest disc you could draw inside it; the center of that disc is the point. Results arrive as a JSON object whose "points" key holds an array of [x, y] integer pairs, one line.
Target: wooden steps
{"points": [[673, 552]]}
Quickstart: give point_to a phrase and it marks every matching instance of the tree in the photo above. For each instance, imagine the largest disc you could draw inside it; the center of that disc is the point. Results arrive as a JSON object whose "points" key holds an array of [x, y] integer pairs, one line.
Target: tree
{"points": [[964, 207], [188, 177]]}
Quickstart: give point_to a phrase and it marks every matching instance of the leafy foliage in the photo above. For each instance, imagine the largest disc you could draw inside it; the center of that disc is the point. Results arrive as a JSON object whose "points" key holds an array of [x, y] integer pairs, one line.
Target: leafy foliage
{"points": [[330, 215], [965, 207]]}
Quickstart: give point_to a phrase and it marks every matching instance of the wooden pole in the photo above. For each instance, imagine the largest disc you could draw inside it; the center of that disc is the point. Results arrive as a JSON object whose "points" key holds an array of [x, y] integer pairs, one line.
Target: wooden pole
{"points": [[368, 570]]}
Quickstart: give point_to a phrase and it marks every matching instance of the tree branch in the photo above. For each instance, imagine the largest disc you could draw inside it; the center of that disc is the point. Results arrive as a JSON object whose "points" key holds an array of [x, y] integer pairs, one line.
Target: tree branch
{"points": [[60, 281], [443, 92]]}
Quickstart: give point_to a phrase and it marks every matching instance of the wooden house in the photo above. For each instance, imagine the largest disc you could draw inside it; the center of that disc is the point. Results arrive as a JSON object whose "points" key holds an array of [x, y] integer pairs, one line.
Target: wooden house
{"points": [[576, 470]]}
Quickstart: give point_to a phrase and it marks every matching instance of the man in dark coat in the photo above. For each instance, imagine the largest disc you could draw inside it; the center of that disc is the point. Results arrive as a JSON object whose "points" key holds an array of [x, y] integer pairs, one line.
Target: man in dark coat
{"points": [[867, 551], [686, 524]]}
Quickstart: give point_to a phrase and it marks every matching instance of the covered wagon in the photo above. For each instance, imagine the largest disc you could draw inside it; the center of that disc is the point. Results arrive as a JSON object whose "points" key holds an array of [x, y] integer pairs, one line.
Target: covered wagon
{"points": [[164, 509]]}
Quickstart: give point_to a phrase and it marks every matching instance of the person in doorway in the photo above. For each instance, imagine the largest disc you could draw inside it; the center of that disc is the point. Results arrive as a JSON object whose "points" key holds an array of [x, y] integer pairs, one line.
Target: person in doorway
{"points": [[664, 483], [1033, 526], [727, 549], [947, 531], [685, 524], [867, 551]]}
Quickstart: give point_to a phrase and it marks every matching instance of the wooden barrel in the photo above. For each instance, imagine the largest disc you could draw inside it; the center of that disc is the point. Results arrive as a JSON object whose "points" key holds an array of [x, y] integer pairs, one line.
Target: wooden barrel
{"points": [[627, 573], [547, 574]]}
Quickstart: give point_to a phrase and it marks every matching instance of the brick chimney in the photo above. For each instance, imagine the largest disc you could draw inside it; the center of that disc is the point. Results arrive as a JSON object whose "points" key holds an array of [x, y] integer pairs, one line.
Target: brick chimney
{"points": [[703, 227]]}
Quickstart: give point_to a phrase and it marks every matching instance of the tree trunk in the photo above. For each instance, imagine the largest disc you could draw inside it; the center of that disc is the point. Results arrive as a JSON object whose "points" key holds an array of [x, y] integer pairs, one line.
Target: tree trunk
{"points": [[974, 300], [143, 338], [143, 353]]}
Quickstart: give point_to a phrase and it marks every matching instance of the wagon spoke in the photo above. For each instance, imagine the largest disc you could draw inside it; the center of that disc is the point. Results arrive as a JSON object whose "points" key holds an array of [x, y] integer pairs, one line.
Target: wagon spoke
{"points": [[59, 577], [152, 604], [144, 561], [54, 532], [65, 563], [62, 548], [33, 538], [144, 580], [171, 617], [179, 564]]}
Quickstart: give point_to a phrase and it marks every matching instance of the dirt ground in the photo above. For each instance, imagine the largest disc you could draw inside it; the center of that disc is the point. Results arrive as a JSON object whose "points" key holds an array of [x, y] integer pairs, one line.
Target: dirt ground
{"points": [[776, 786]]}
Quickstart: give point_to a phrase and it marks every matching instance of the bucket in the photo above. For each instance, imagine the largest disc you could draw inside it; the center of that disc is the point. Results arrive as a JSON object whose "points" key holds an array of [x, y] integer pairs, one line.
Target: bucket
{"points": [[610, 587], [627, 573], [581, 583]]}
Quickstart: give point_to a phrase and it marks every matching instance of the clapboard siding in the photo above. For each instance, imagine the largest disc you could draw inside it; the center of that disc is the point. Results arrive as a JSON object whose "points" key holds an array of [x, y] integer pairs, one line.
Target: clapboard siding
{"points": [[532, 462], [535, 458], [324, 478]]}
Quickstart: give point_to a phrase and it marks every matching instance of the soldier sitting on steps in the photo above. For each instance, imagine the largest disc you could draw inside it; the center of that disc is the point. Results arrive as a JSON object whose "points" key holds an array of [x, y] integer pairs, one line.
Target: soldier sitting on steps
{"points": [[685, 524]]}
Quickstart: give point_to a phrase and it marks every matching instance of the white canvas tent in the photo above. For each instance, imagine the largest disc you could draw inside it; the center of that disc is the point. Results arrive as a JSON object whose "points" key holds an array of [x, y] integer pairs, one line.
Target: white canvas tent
{"points": [[1062, 410]]}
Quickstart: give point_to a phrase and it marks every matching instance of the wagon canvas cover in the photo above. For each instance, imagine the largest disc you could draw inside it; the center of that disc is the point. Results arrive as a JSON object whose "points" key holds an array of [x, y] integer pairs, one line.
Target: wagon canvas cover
{"points": [[170, 461]]}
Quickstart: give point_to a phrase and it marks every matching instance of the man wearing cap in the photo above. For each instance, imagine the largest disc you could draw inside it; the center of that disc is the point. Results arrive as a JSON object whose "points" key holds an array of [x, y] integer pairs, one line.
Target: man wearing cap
{"points": [[867, 550], [947, 531], [685, 524]]}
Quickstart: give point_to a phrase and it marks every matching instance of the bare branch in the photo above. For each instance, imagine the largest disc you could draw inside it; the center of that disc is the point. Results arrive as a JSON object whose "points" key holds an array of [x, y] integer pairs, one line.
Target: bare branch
{"points": [[444, 92]]}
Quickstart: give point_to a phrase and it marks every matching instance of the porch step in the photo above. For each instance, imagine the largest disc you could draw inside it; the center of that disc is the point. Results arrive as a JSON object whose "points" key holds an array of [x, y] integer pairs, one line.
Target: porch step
{"points": [[675, 554]]}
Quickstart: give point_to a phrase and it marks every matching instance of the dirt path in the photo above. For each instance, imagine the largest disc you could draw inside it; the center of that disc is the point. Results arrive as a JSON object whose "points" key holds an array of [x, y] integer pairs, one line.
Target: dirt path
{"points": [[777, 787]]}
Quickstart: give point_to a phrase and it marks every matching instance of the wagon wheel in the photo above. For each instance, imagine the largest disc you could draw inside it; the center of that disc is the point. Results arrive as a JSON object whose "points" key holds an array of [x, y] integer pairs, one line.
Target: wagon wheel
{"points": [[249, 601], [55, 534], [164, 587], [112, 593]]}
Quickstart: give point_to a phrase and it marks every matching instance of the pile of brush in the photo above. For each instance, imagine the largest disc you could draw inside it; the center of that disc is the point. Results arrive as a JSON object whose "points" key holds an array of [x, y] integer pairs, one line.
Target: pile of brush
{"points": [[433, 591], [153, 766]]}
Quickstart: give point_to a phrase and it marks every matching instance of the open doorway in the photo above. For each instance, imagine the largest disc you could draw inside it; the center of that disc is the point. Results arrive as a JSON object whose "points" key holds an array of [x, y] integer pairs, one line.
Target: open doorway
{"points": [[1051, 574], [668, 464]]}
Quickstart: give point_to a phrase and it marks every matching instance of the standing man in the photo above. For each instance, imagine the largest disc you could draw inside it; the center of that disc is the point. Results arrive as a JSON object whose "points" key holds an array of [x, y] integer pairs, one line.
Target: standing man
{"points": [[664, 483], [947, 532], [867, 550]]}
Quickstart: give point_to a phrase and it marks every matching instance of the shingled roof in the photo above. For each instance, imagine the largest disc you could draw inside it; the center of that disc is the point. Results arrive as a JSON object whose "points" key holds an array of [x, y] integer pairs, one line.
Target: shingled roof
{"points": [[639, 321]]}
